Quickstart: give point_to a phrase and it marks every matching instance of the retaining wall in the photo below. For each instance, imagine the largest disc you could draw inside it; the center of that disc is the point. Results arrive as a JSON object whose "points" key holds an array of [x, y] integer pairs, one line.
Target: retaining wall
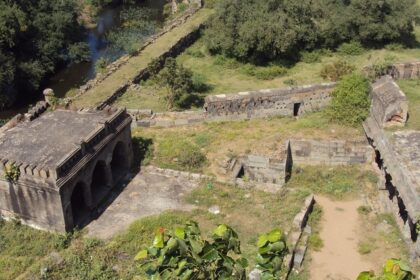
{"points": [[292, 101], [410, 70], [330, 152]]}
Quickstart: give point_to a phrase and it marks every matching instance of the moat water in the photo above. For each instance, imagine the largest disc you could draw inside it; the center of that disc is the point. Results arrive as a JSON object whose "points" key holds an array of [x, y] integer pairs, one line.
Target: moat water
{"points": [[75, 75]]}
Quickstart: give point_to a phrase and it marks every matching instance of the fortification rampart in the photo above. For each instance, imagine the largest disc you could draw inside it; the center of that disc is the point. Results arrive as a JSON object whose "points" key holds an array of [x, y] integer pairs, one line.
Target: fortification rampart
{"points": [[410, 70], [330, 152], [292, 101]]}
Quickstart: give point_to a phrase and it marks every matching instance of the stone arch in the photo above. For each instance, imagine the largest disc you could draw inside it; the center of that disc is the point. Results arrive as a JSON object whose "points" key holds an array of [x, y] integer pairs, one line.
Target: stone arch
{"points": [[119, 162], [100, 184], [79, 205]]}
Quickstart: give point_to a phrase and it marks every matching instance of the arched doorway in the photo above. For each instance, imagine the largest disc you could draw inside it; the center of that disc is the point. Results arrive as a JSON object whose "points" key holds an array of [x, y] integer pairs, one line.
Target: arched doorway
{"points": [[79, 208], [119, 163], [100, 183]]}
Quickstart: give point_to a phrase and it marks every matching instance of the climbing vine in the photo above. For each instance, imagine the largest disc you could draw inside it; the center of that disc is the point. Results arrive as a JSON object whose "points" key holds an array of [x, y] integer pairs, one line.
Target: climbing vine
{"points": [[12, 173]]}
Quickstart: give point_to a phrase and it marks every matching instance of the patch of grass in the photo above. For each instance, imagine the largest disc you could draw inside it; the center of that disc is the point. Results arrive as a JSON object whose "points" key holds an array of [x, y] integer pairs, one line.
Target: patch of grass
{"points": [[259, 136], [337, 182], [365, 248], [412, 90], [364, 210], [21, 246]]}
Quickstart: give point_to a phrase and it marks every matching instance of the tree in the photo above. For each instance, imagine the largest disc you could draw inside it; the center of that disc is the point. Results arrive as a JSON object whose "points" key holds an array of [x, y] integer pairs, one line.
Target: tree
{"points": [[36, 37], [350, 101], [177, 80], [263, 30]]}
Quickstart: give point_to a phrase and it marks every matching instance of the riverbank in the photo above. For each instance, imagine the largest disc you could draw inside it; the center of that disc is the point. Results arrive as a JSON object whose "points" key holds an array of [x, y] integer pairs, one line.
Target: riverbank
{"points": [[135, 64]]}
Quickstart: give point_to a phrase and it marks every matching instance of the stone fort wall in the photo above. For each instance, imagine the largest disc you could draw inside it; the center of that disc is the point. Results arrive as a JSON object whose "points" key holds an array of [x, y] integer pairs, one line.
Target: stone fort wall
{"points": [[292, 101], [330, 152]]}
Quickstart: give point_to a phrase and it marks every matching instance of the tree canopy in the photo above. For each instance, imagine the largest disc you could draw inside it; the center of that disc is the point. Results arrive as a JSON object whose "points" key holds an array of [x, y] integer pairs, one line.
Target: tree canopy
{"points": [[35, 38], [261, 30]]}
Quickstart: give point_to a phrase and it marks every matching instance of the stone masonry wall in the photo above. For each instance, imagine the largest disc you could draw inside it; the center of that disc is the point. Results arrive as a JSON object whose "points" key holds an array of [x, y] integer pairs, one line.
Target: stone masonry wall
{"points": [[330, 152], [410, 70], [389, 103], [247, 105], [292, 101]]}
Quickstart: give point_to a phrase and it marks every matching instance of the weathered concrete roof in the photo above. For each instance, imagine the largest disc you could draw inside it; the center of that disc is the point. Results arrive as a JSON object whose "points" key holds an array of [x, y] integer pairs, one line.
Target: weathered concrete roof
{"points": [[47, 139]]}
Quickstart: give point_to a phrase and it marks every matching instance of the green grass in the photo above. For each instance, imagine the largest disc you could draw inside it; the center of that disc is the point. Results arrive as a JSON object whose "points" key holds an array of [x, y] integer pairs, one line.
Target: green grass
{"points": [[219, 140], [21, 247], [412, 90], [224, 75]]}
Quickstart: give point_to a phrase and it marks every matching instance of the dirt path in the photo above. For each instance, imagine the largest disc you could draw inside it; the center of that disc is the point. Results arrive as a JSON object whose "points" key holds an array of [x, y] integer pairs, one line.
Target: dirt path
{"points": [[339, 258]]}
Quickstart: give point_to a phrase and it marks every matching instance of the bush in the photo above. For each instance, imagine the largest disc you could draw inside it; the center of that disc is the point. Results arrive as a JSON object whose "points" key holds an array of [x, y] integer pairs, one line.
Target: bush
{"points": [[264, 73], [314, 56], [290, 82], [394, 269], [377, 69], [336, 70], [192, 158], [100, 65], [352, 48], [350, 101], [394, 47]]}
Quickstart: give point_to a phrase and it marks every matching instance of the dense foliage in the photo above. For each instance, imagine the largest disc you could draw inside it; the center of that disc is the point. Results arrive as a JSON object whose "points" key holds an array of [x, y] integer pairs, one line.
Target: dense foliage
{"points": [[177, 80], [184, 254], [350, 101], [35, 38], [260, 30], [394, 269]]}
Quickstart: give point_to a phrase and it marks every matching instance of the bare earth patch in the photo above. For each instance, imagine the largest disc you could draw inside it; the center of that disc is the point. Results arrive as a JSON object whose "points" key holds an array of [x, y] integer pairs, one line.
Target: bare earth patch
{"points": [[339, 259], [146, 195]]}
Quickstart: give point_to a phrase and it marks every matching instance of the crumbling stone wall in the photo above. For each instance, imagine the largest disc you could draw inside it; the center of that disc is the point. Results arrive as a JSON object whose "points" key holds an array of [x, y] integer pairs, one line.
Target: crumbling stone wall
{"points": [[330, 152], [263, 169], [271, 102], [389, 104], [410, 70]]}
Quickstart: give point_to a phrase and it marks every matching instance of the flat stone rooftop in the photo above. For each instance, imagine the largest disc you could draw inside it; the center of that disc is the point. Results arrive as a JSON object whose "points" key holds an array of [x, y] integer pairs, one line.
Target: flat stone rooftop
{"points": [[50, 137]]}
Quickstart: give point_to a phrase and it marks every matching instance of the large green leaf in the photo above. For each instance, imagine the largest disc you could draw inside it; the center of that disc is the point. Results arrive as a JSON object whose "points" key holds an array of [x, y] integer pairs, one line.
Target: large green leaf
{"points": [[211, 255], [274, 235], [262, 240], [365, 276], [158, 242], [143, 254], [196, 246], [278, 247], [221, 231], [180, 233]]}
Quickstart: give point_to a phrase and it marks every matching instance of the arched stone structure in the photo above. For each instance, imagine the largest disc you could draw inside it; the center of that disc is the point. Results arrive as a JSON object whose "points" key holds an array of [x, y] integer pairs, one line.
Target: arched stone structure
{"points": [[119, 162], [66, 161], [79, 204]]}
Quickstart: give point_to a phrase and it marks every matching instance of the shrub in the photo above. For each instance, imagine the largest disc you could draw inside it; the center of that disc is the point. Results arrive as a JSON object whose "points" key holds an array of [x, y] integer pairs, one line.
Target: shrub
{"points": [[290, 82], [350, 101], [336, 70], [194, 53], [191, 158], [101, 64], [314, 56], [394, 269], [184, 254], [271, 251], [394, 47], [264, 73], [12, 173], [377, 69], [351, 48]]}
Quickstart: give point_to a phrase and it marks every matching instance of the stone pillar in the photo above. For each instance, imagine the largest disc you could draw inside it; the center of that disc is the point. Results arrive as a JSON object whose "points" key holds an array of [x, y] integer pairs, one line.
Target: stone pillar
{"points": [[48, 95]]}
